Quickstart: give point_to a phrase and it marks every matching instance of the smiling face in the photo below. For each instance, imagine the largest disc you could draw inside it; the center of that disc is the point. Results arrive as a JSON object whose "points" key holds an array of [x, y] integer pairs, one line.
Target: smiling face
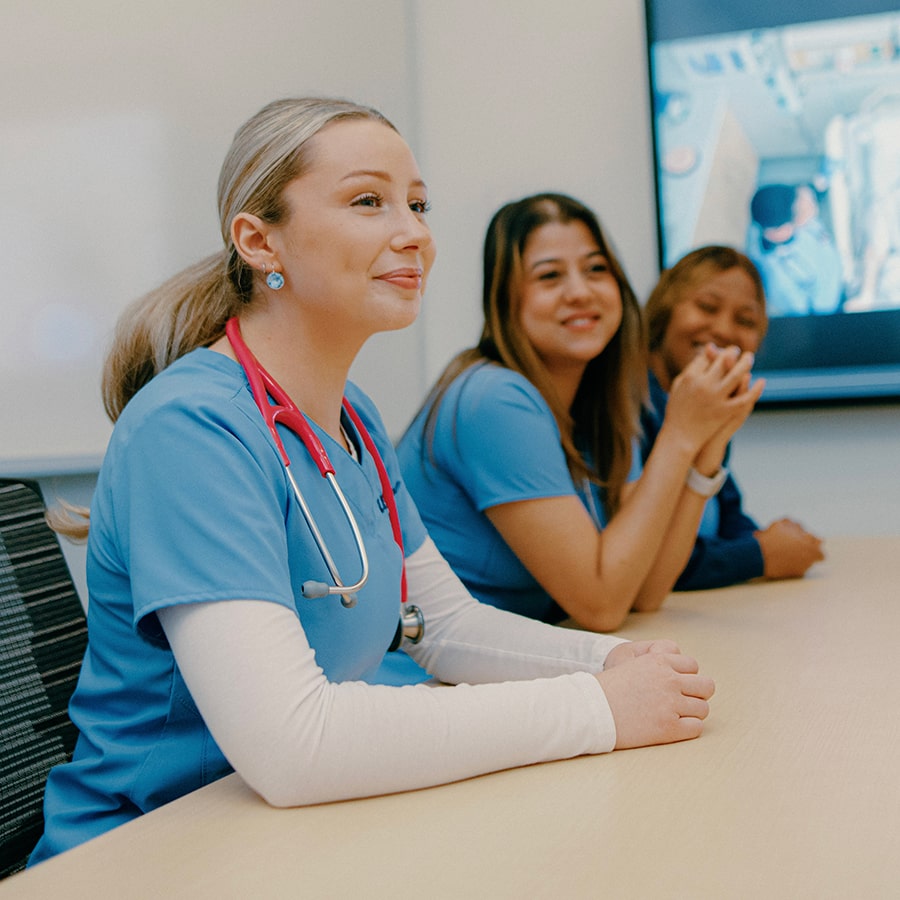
{"points": [[570, 302], [355, 248], [722, 309]]}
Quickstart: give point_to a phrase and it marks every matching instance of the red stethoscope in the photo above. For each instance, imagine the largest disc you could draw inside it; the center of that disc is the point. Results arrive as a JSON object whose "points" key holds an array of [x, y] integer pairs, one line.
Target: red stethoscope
{"points": [[285, 411]]}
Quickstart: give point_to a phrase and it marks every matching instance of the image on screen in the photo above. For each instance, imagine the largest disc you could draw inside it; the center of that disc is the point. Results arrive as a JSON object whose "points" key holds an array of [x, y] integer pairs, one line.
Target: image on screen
{"points": [[777, 131]]}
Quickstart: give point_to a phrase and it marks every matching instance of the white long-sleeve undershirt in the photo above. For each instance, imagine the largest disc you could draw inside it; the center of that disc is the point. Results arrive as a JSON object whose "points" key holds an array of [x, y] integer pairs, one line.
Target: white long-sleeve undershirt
{"points": [[297, 738]]}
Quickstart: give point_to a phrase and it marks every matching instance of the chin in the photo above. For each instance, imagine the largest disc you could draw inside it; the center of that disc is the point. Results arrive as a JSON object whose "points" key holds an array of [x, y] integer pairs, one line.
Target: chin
{"points": [[397, 319]]}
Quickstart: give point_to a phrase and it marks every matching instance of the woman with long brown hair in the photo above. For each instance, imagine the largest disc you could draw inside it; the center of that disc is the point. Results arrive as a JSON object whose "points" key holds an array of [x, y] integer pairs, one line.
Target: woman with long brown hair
{"points": [[523, 459]]}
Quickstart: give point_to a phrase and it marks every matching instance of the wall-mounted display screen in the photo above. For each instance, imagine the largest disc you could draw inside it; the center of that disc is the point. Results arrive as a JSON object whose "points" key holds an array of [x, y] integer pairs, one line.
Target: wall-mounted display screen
{"points": [[777, 131]]}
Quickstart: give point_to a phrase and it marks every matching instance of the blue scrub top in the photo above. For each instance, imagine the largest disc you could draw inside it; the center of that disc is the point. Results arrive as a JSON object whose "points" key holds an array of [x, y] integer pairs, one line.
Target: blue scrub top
{"points": [[495, 441], [193, 504]]}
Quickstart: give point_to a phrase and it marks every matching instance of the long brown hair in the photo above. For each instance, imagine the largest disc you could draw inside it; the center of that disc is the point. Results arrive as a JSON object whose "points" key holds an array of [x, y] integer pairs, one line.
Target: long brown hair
{"points": [[605, 413], [190, 310]]}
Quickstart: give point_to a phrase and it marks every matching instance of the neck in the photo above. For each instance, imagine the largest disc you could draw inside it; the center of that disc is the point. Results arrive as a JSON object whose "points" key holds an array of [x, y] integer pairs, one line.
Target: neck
{"points": [[311, 367]]}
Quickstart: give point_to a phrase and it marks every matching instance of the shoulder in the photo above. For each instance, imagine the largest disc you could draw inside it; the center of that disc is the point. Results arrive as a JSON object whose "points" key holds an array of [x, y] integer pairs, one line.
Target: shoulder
{"points": [[490, 400], [203, 392], [200, 376], [489, 389]]}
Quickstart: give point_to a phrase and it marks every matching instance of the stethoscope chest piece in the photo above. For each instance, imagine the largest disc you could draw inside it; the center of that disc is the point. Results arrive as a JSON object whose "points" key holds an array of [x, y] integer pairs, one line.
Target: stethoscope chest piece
{"points": [[411, 626]]}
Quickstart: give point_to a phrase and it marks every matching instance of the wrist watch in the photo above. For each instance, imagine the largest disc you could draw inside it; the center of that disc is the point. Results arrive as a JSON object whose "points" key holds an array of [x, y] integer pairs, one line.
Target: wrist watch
{"points": [[706, 487]]}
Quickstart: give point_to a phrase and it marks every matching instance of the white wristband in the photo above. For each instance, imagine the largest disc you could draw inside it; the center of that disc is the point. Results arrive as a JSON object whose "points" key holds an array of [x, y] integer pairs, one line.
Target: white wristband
{"points": [[706, 487]]}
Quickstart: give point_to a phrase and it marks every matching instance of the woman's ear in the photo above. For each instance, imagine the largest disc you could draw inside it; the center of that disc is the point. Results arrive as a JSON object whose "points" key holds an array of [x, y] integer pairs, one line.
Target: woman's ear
{"points": [[250, 236]]}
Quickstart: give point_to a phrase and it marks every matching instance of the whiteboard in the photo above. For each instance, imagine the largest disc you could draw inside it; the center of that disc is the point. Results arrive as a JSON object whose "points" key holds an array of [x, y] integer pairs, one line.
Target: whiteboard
{"points": [[69, 257], [114, 121]]}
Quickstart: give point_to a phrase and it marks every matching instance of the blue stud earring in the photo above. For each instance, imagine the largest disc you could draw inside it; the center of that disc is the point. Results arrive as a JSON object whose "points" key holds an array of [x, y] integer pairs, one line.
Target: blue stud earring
{"points": [[275, 280]]}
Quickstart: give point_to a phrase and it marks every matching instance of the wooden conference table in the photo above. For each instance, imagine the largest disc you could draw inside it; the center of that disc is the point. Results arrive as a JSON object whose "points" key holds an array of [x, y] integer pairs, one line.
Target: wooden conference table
{"points": [[793, 791]]}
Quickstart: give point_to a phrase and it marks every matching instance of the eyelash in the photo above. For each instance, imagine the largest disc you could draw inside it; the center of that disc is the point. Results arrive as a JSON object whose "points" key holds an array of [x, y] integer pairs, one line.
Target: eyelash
{"points": [[595, 269], [363, 200], [375, 200]]}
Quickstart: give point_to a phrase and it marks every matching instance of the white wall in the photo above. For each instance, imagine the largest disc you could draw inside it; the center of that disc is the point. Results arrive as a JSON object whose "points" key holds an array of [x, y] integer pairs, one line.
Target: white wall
{"points": [[115, 118], [835, 469], [498, 99], [518, 97]]}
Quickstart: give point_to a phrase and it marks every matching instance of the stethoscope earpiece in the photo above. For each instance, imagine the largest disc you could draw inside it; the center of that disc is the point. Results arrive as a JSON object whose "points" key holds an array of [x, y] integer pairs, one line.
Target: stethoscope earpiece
{"points": [[315, 590]]}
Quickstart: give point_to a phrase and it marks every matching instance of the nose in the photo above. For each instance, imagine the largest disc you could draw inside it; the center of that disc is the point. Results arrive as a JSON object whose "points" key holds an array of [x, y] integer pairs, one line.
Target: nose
{"points": [[723, 329], [412, 232], [575, 286]]}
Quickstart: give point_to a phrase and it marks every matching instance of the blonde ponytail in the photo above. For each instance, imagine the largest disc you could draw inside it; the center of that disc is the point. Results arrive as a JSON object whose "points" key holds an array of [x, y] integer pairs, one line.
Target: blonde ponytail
{"points": [[188, 311]]}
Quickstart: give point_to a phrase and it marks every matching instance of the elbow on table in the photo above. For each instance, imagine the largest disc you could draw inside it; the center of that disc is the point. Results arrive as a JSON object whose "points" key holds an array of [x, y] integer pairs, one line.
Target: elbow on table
{"points": [[290, 773], [285, 791], [600, 620], [271, 787], [651, 599], [608, 617]]}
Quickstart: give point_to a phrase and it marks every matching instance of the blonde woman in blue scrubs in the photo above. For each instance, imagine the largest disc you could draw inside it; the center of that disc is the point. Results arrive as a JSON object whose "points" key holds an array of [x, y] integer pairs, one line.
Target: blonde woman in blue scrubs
{"points": [[204, 655]]}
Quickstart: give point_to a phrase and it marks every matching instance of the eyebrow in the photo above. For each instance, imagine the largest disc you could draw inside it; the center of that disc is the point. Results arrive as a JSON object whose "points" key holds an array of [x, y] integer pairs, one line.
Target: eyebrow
{"points": [[754, 308], [378, 173], [707, 291], [551, 260]]}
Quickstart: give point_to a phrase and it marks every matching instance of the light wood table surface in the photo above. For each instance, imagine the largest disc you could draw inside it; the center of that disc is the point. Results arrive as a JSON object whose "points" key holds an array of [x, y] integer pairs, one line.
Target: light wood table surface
{"points": [[793, 791]]}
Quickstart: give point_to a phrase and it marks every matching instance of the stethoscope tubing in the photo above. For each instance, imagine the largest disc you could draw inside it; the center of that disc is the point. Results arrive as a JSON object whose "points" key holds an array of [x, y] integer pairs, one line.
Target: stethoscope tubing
{"points": [[314, 589], [262, 386]]}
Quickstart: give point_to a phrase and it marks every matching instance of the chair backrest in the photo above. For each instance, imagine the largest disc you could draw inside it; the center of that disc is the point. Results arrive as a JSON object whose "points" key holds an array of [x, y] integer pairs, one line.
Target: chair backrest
{"points": [[43, 635]]}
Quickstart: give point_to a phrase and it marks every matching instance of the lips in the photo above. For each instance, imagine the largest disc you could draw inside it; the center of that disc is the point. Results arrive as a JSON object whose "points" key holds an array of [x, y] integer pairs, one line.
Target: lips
{"points": [[581, 321], [409, 278]]}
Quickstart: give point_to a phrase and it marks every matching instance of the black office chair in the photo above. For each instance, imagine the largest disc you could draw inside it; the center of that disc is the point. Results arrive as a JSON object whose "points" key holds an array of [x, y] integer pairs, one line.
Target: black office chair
{"points": [[43, 634]]}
